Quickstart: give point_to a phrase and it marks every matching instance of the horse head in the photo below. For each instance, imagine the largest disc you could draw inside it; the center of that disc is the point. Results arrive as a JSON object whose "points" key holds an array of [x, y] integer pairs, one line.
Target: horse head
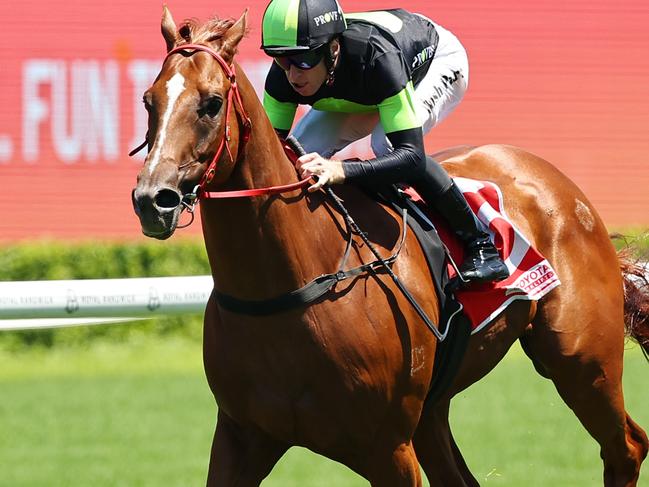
{"points": [[191, 139]]}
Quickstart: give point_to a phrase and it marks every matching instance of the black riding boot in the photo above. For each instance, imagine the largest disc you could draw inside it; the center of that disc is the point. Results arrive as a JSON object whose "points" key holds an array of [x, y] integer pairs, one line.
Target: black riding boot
{"points": [[482, 263]]}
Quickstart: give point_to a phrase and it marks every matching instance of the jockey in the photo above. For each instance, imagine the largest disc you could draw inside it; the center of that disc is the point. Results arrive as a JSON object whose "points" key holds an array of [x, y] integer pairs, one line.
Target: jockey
{"points": [[392, 74]]}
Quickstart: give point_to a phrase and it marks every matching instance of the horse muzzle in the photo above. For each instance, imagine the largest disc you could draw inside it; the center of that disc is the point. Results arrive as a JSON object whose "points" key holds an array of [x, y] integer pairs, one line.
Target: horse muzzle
{"points": [[158, 210]]}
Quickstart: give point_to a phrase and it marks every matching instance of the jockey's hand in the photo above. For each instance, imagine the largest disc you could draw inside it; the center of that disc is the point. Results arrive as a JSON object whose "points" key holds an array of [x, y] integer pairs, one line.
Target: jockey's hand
{"points": [[328, 171]]}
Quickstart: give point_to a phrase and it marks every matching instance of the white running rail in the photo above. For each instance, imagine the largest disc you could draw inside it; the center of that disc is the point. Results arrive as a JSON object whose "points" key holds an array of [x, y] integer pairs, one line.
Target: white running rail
{"points": [[46, 304], [49, 304]]}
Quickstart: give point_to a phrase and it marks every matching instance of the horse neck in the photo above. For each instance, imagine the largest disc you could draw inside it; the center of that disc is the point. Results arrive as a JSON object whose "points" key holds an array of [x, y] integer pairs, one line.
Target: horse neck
{"points": [[262, 246]]}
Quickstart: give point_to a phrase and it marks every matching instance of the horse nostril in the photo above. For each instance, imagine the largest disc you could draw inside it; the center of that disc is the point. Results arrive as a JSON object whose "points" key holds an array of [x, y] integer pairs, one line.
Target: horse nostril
{"points": [[167, 199], [136, 206]]}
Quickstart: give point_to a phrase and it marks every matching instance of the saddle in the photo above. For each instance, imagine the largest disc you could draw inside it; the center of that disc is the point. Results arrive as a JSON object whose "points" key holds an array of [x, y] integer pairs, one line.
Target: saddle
{"points": [[531, 275]]}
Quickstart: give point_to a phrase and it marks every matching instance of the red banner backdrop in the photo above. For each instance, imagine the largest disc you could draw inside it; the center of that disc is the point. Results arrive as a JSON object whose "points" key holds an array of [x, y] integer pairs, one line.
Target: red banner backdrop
{"points": [[566, 80]]}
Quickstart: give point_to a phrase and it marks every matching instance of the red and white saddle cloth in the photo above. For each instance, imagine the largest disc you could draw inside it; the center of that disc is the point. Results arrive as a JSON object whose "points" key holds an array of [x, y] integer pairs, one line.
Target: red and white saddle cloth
{"points": [[531, 275]]}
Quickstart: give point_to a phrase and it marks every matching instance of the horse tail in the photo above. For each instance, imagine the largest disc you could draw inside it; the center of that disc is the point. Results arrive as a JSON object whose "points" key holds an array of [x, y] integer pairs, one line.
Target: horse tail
{"points": [[636, 295]]}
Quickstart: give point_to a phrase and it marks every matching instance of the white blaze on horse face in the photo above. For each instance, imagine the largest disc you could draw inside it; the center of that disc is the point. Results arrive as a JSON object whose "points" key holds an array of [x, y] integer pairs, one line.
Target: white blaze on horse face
{"points": [[175, 86]]}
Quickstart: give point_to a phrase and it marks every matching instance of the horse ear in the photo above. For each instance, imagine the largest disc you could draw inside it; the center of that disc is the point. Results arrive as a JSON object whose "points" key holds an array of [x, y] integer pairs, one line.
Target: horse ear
{"points": [[233, 36], [168, 27]]}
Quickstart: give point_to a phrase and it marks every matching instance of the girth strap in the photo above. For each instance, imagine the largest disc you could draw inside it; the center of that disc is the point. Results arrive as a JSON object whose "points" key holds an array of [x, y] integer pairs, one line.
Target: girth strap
{"points": [[300, 297]]}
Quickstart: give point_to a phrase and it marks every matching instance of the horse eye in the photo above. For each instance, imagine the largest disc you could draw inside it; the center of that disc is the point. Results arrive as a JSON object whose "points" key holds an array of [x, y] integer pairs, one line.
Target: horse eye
{"points": [[211, 107]]}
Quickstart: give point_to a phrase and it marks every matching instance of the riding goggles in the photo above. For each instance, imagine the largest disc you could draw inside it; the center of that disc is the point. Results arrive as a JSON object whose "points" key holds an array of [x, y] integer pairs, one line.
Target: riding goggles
{"points": [[304, 60]]}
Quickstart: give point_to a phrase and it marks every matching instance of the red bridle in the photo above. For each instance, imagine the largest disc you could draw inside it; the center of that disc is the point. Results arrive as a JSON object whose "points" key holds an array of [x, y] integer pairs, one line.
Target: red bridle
{"points": [[233, 96]]}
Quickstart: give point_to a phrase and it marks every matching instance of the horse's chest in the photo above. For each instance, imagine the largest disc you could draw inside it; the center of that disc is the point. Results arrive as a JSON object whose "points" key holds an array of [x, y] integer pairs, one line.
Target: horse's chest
{"points": [[259, 381], [302, 382]]}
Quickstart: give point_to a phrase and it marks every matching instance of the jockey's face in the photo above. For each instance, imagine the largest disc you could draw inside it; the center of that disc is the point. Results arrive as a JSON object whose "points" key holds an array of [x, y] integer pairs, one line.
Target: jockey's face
{"points": [[307, 81]]}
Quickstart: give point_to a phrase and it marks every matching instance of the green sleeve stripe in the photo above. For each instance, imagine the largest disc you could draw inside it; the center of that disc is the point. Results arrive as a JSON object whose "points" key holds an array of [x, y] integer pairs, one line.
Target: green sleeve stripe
{"points": [[281, 114], [398, 111]]}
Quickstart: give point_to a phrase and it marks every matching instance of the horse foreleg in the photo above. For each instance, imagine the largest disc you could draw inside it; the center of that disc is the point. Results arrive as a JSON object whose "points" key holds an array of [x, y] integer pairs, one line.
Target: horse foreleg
{"points": [[241, 456], [437, 451], [396, 468], [436, 448]]}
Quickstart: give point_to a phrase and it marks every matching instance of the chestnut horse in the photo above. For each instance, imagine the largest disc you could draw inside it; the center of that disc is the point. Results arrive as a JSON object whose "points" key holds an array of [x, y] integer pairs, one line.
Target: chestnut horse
{"points": [[347, 375]]}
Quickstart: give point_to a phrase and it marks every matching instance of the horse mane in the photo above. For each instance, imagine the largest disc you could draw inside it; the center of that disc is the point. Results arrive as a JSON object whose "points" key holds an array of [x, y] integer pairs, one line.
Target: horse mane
{"points": [[193, 31]]}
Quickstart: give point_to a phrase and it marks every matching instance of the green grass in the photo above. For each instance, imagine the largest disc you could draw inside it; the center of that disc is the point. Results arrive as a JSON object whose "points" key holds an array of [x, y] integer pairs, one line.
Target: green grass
{"points": [[140, 414]]}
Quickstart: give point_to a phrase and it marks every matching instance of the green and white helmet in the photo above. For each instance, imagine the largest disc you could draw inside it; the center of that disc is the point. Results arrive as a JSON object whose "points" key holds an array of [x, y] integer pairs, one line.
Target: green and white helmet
{"points": [[291, 26]]}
